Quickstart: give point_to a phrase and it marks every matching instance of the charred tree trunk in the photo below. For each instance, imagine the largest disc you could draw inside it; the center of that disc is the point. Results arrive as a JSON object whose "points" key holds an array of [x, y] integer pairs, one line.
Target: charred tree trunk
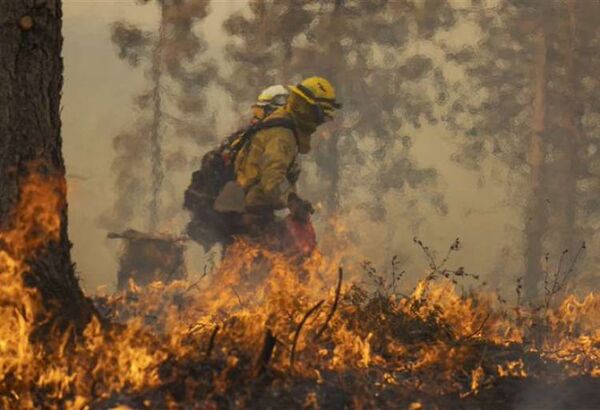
{"points": [[535, 223], [31, 78]]}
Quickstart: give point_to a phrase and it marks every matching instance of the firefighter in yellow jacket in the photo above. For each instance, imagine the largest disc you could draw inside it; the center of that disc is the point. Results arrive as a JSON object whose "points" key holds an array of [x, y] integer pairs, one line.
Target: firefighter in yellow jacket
{"points": [[266, 169]]}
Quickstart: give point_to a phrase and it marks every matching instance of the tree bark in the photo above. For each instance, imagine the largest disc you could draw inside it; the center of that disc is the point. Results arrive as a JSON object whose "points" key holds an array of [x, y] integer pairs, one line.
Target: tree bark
{"points": [[535, 224], [156, 130], [333, 153], [31, 78], [571, 139], [335, 54]]}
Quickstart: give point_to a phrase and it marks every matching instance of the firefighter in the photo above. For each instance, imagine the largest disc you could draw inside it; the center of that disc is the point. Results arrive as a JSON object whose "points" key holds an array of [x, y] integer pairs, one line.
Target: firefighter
{"points": [[268, 101], [266, 169], [206, 226]]}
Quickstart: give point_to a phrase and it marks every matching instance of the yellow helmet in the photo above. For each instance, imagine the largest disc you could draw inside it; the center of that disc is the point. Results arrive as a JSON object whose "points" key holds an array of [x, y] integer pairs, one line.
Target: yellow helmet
{"points": [[319, 92]]}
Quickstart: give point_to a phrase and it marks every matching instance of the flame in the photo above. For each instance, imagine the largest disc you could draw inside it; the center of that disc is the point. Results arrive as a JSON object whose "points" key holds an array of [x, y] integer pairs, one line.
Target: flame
{"points": [[207, 336], [35, 221], [514, 368], [477, 377]]}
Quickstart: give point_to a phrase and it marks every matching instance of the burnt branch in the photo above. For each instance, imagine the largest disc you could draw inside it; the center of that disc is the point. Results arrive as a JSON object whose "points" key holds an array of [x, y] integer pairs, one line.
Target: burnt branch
{"points": [[299, 328], [334, 306], [479, 328], [559, 279]]}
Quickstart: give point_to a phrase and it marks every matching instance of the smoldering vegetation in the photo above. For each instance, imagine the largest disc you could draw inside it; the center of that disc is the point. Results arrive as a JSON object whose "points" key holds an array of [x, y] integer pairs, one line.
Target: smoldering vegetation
{"points": [[513, 95], [512, 86]]}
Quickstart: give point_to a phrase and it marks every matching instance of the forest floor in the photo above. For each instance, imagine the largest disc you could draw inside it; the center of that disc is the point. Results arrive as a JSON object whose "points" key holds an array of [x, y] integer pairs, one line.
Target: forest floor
{"points": [[266, 334], [263, 331]]}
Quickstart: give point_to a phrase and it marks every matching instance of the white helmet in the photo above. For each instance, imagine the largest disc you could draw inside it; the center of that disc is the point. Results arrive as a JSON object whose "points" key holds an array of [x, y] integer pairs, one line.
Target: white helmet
{"points": [[274, 96]]}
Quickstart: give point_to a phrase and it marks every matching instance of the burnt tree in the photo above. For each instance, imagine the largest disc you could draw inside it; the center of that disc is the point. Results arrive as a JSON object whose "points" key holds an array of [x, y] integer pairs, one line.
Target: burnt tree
{"points": [[31, 78]]}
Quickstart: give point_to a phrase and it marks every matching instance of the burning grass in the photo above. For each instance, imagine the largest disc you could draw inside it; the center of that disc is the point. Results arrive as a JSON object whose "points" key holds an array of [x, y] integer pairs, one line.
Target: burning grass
{"points": [[263, 331]]}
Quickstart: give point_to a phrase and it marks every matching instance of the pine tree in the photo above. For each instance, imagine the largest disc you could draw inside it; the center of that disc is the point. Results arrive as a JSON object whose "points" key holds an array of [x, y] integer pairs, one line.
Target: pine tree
{"points": [[363, 47], [172, 107], [524, 106], [31, 79]]}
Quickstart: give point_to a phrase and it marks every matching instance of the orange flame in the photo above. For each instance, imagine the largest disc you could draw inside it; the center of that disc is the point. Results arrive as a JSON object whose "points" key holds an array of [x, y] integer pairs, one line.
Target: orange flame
{"points": [[429, 341]]}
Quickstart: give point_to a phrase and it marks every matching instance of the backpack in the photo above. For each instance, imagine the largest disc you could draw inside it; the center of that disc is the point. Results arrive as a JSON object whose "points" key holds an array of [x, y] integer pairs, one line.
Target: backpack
{"points": [[208, 226]]}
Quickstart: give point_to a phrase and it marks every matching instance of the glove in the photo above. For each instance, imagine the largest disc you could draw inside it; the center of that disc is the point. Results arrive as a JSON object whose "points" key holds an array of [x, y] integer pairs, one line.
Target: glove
{"points": [[300, 209]]}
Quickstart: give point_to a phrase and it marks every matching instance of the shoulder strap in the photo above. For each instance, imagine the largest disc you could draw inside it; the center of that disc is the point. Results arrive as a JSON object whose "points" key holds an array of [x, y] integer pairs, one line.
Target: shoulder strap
{"points": [[283, 122], [275, 122], [246, 135]]}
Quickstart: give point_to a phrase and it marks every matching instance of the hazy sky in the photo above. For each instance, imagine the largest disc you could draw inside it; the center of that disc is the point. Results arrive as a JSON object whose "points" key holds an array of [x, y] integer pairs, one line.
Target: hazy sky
{"points": [[97, 105]]}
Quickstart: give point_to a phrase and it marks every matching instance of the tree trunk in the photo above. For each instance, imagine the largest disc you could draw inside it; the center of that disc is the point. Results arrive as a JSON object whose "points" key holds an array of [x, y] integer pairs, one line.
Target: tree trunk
{"points": [[335, 54], [333, 153], [30, 142], [571, 136], [535, 224], [156, 130]]}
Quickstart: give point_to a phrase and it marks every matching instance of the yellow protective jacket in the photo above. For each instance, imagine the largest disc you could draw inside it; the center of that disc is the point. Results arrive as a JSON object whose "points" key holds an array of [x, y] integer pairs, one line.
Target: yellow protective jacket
{"points": [[263, 166]]}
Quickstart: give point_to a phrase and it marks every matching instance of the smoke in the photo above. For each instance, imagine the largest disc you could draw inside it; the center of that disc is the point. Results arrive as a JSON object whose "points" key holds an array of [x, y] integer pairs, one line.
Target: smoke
{"points": [[573, 393], [172, 111], [525, 105], [418, 84], [131, 182], [383, 83]]}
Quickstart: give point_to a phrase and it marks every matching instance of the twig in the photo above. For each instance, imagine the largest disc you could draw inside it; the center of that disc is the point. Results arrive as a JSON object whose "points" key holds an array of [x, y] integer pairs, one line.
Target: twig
{"points": [[453, 248], [299, 328], [195, 284], [194, 328], [479, 329], [432, 264], [558, 283], [211, 342], [237, 295], [334, 306], [573, 263], [395, 275], [560, 262]]}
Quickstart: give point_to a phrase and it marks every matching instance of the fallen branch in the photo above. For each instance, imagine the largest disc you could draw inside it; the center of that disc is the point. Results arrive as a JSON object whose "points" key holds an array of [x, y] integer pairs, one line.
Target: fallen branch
{"points": [[479, 329], [333, 307], [299, 328]]}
